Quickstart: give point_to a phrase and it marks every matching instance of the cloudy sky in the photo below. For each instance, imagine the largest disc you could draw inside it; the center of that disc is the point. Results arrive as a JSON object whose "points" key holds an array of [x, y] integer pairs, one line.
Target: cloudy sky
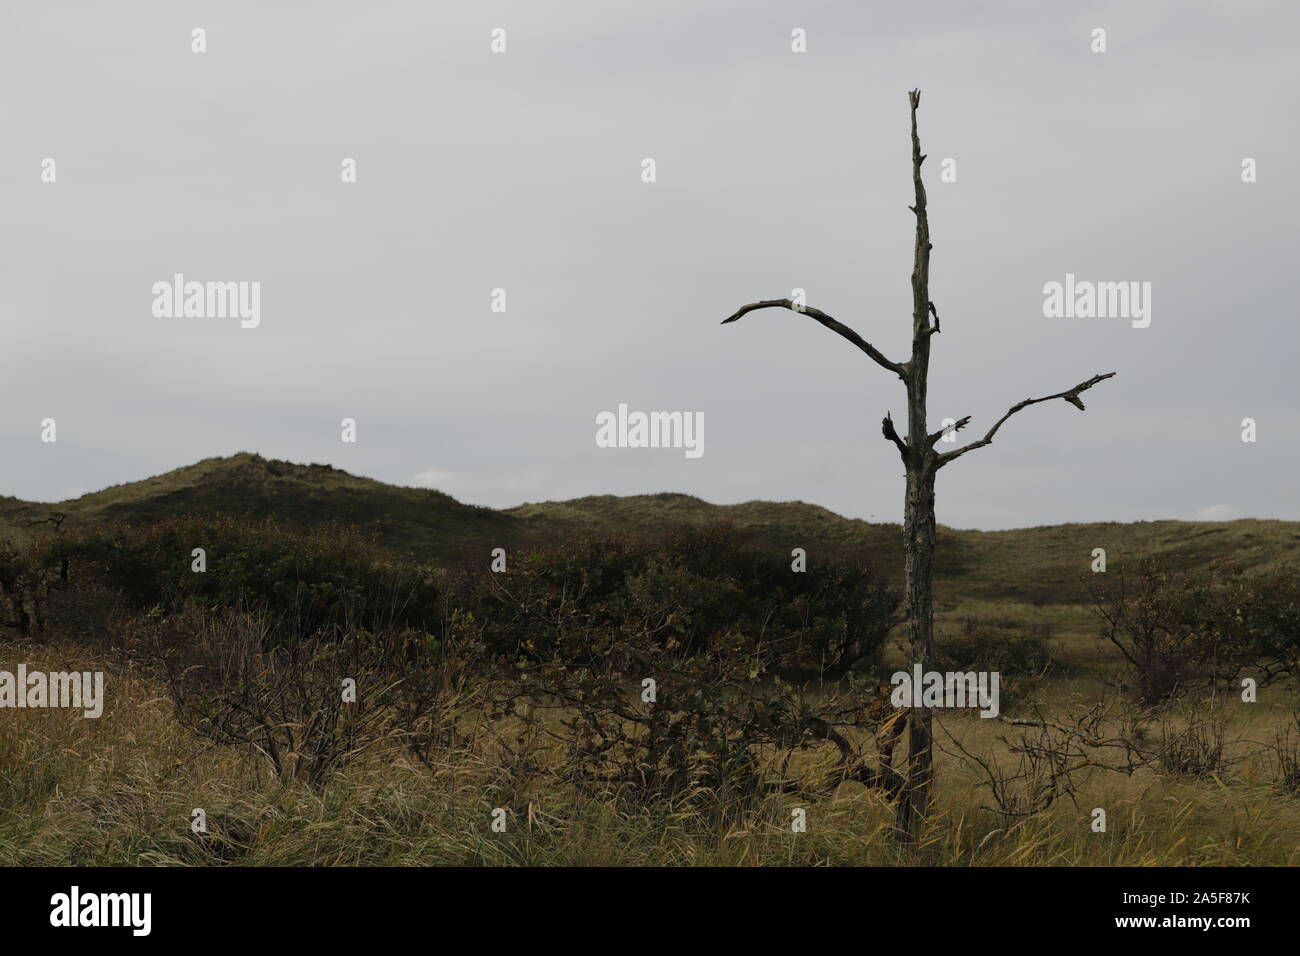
{"points": [[775, 170]]}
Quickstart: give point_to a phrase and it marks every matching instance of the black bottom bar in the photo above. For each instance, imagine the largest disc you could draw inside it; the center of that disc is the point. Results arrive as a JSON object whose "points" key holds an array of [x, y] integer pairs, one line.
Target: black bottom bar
{"points": [[600, 907]]}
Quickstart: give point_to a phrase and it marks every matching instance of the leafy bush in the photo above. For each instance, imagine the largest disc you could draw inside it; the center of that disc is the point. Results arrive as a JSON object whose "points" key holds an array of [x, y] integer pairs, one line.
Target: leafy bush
{"points": [[26, 577], [668, 659], [310, 582], [1177, 632], [691, 590]]}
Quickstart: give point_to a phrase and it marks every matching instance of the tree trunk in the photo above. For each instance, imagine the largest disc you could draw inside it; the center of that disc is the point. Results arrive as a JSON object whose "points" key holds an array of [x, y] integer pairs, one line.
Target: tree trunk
{"points": [[918, 510], [918, 532]]}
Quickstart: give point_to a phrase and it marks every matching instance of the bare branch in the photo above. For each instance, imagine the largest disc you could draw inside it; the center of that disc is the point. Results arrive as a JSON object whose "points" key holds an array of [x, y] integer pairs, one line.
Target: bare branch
{"points": [[934, 328], [955, 427], [887, 429], [825, 320], [1070, 395]]}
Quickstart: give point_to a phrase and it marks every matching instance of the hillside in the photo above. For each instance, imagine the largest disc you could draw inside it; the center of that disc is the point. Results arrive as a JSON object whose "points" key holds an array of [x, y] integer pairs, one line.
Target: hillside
{"points": [[1033, 565], [421, 522]]}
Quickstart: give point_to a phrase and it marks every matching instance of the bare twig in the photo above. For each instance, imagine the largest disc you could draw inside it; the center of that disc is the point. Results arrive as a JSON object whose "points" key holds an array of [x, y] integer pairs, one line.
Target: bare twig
{"points": [[1070, 395], [889, 431]]}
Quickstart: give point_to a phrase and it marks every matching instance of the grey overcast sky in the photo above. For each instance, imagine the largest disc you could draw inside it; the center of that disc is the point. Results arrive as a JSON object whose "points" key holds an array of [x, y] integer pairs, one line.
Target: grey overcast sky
{"points": [[775, 170]]}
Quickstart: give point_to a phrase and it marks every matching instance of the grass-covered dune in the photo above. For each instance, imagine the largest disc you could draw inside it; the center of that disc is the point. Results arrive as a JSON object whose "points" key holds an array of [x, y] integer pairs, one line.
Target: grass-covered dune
{"points": [[1032, 565]]}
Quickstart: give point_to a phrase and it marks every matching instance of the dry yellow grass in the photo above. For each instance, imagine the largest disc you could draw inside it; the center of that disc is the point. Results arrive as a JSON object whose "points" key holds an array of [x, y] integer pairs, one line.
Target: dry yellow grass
{"points": [[120, 790]]}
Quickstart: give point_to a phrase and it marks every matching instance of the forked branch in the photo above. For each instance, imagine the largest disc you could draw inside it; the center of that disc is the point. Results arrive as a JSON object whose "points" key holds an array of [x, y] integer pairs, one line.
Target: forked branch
{"points": [[1070, 395], [826, 320], [942, 432]]}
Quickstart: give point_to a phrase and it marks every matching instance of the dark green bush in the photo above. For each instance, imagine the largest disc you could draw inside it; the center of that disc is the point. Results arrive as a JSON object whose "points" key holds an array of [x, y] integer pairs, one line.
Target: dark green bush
{"points": [[328, 578], [693, 590]]}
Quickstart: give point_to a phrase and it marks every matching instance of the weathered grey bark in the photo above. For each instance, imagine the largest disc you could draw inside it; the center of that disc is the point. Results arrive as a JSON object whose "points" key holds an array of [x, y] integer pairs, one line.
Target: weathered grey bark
{"points": [[922, 464], [918, 506]]}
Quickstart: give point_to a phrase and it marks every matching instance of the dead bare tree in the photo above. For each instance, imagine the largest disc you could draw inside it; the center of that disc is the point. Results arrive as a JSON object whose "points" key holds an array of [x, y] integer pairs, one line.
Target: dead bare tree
{"points": [[922, 463]]}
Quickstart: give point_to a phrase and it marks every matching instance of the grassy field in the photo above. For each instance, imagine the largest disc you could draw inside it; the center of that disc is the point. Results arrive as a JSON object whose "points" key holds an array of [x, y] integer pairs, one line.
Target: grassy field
{"points": [[121, 789]]}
